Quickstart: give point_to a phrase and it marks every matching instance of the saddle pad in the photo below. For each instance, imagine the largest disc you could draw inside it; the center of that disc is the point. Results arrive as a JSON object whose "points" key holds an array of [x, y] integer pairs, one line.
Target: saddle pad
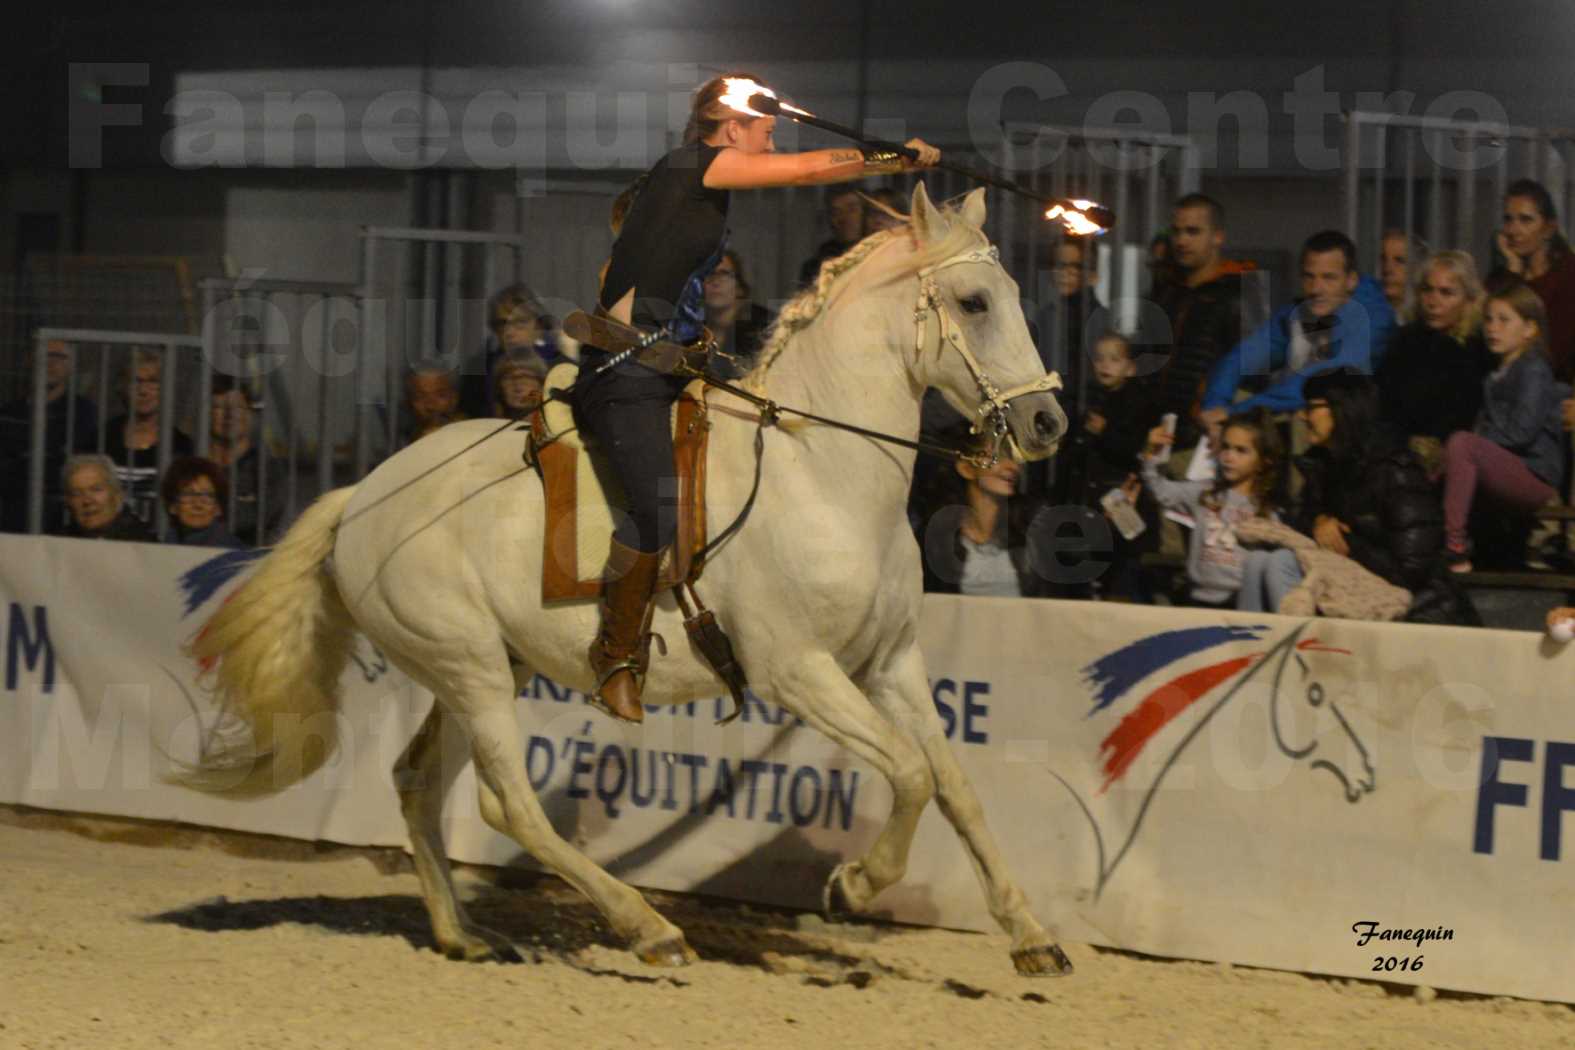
{"points": [[581, 491]]}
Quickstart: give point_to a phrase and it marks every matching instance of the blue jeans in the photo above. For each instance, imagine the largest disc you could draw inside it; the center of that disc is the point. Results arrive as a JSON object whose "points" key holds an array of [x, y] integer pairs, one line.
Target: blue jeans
{"points": [[1267, 576]]}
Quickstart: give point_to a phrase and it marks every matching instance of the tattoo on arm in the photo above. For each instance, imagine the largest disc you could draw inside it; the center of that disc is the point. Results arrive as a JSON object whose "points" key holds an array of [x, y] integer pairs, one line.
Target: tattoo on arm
{"points": [[846, 156]]}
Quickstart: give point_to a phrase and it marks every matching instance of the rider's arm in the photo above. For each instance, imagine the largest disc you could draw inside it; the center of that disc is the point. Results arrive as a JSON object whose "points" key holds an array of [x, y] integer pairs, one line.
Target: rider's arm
{"points": [[734, 169]]}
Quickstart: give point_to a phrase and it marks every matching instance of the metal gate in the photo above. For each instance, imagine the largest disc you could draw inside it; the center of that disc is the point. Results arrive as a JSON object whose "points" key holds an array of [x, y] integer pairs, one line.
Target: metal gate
{"points": [[428, 304], [1443, 180]]}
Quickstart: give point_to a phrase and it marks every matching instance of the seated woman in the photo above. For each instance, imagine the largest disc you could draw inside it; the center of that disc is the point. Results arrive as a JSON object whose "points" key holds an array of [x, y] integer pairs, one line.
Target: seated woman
{"points": [[736, 322], [1366, 496], [1430, 381], [195, 493], [1534, 250], [975, 528]]}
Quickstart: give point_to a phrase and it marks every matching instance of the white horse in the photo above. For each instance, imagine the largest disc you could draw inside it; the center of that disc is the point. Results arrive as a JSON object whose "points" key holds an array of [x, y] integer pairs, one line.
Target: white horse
{"points": [[436, 558]]}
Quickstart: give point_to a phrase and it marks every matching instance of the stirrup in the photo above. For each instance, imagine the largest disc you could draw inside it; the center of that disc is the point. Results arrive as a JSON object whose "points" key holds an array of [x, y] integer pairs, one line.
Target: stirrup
{"points": [[594, 698]]}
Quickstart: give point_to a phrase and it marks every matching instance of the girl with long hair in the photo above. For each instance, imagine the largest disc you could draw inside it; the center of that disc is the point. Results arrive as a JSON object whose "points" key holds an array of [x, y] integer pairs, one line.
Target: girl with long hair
{"points": [[671, 232], [1251, 460], [1514, 454]]}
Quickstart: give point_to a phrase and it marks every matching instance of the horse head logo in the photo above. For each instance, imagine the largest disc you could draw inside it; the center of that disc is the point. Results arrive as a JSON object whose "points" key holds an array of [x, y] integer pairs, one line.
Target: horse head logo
{"points": [[1293, 676]]}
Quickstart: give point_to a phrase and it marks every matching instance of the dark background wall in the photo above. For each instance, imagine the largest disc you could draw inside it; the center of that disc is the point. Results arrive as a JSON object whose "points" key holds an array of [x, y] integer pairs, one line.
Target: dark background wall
{"points": [[606, 81]]}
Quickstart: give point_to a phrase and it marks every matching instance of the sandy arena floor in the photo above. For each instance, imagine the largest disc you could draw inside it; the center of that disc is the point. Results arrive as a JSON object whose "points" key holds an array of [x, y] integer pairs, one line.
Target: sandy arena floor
{"points": [[117, 934]]}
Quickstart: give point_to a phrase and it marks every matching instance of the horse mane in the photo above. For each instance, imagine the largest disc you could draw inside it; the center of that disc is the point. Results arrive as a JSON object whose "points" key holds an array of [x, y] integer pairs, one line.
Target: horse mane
{"points": [[804, 308]]}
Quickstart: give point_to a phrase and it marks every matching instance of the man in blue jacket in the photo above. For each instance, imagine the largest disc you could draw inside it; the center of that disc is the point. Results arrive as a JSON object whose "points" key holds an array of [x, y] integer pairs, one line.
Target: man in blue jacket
{"points": [[1342, 320]]}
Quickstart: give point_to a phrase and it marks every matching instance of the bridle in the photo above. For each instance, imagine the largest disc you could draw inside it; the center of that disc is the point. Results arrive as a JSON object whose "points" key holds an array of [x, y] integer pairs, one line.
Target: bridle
{"points": [[990, 415]]}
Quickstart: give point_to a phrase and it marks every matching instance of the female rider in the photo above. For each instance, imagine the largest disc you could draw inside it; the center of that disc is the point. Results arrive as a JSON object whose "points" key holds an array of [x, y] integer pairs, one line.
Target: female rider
{"points": [[672, 235]]}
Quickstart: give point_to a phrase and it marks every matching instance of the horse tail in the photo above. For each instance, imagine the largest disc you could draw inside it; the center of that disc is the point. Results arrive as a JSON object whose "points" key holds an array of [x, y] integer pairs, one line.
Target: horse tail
{"points": [[273, 654]]}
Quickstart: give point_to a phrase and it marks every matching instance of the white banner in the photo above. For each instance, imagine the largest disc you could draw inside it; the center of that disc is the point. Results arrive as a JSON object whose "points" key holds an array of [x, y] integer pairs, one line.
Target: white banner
{"points": [[1366, 800]]}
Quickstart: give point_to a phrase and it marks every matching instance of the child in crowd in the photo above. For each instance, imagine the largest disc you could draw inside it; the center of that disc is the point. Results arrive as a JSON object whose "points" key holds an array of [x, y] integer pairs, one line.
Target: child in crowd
{"points": [[1251, 458], [1514, 454], [1114, 432]]}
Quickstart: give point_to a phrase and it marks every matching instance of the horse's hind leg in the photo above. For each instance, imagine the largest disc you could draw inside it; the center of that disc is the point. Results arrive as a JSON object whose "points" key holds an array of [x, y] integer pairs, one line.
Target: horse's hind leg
{"points": [[423, 778], [1034, 951], [824, 697], [509, 804]]}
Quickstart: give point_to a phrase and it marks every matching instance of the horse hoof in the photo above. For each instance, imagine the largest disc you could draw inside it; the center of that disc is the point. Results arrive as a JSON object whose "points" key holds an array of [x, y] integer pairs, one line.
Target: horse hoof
{"points": [[479, 950], [674, 951], [1042, 960], [834, 903]]}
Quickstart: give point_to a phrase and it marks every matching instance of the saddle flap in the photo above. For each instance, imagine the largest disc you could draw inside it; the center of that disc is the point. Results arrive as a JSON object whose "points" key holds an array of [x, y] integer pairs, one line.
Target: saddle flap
{"points": [[581, 493]]}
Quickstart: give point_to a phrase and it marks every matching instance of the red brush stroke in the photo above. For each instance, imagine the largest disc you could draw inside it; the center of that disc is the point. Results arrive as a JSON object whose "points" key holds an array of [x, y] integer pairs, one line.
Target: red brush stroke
{"points": [[1313, 645], [1157, 709], [208, 663]]}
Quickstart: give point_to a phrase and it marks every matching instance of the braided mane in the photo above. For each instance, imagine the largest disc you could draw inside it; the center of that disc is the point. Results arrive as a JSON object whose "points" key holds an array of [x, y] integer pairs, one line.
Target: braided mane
{"points": [[803, 309]]}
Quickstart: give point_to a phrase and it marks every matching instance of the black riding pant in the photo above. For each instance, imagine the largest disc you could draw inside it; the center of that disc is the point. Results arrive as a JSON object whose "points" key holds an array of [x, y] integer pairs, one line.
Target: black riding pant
{"points": [[628, 412]]}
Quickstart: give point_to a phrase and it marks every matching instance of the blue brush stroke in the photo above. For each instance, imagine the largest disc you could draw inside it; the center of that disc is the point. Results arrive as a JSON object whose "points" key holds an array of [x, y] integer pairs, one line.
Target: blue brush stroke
{"points": [[1115, 673], [199, 583]]}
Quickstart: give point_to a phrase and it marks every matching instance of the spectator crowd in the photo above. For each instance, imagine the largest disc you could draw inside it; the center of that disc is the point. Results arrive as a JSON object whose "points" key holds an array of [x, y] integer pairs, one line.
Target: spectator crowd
{"points": [[1353, 453], [1350, 453]]}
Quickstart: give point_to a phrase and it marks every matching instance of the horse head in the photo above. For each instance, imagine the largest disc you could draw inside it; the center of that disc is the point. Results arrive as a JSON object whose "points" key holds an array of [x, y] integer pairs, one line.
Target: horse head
{"points": [[1308, 723], [973, 341]]}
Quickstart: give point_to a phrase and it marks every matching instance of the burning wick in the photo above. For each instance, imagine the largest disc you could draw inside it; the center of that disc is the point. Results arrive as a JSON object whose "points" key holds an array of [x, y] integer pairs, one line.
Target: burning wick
{"points": [[1075, 218], [756, 100]]}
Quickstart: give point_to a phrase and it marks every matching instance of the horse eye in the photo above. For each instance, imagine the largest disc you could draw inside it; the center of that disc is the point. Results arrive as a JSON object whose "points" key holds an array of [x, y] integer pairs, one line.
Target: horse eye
{"points": [[973, 304]]}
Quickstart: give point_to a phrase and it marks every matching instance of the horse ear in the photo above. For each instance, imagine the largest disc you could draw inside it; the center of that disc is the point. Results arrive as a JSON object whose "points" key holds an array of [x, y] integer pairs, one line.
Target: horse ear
{"points": [[929, 224], [972, 210]]}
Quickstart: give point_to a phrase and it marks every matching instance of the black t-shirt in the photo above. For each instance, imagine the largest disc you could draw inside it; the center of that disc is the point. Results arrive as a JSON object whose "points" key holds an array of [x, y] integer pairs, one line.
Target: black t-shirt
{"points": [[672, 231], [139, 468]]}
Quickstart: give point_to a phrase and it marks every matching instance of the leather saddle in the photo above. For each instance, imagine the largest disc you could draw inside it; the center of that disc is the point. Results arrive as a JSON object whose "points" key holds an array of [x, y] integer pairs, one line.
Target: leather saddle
{"points": [[583, 495]]}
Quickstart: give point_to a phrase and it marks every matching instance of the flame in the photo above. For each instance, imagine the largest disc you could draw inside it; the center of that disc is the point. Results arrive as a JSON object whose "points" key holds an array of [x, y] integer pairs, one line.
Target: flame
{"points": [[1075, 218], [739, 90]]}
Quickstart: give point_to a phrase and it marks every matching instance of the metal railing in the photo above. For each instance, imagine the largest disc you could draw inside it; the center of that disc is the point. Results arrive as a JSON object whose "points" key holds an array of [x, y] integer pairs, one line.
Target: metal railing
{"points": [[1443, 180], [169, 348]]}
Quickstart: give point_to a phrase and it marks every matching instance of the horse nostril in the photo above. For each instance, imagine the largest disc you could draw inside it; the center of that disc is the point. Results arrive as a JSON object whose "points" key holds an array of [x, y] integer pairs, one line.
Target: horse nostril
{"points": [[1045, 425]]}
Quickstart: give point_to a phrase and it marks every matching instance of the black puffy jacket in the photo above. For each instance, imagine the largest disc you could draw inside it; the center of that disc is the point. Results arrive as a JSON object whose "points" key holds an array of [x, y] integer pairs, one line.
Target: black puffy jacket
{"points": [[1206, 322], [1396, 521]]}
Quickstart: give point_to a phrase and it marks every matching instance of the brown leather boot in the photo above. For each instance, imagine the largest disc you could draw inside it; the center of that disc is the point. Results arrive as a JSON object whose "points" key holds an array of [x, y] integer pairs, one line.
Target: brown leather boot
{"points": [[621, 652]]}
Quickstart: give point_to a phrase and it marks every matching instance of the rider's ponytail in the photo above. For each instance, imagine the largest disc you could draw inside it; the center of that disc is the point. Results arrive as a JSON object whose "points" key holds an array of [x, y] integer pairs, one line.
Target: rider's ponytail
{"points": [[707, 111]]}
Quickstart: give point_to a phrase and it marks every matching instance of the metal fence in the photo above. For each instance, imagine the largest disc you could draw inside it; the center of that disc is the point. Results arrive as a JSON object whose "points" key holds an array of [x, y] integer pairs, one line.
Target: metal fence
{"points": [[278, 339], [104, 353], [427, 303], [1443, 180]]}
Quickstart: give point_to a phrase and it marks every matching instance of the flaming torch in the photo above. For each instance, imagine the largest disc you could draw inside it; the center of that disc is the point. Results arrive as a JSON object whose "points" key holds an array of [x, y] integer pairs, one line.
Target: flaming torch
{"points": [[1080, 217]]}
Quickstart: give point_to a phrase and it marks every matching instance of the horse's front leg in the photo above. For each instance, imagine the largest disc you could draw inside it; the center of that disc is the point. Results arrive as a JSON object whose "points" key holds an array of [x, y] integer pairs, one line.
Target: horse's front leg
{"points": [[1034, 951], [818, 691]]}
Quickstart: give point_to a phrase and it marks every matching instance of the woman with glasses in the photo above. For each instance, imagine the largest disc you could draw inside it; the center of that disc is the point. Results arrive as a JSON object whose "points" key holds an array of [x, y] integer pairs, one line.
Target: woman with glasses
{"points": [[737, 323], [195, 492]]}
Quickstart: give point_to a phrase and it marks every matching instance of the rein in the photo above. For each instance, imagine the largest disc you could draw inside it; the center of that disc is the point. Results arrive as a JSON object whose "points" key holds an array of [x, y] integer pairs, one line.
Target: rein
{"points": [[991, 413]]}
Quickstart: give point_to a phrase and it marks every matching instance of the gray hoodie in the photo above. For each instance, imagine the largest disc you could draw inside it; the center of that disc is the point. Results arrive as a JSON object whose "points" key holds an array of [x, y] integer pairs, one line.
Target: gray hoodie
{"points": [[1214, 558]]}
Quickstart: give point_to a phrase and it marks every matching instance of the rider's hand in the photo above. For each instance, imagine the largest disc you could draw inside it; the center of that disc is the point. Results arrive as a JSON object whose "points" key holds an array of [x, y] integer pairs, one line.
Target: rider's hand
{"points": [[929, 156], [1330, 532]]}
